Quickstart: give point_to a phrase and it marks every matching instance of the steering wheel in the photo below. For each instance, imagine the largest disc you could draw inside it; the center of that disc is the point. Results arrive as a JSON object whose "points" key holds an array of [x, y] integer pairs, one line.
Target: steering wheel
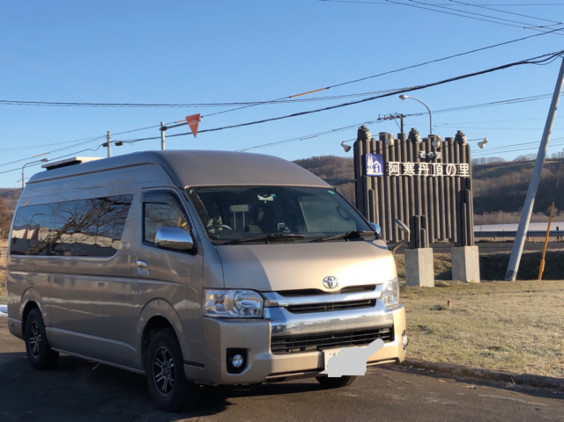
{"points": [[215, 227]]}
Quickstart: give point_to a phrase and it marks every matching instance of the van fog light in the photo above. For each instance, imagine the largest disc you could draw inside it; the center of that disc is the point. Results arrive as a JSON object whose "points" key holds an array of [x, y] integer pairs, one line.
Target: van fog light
{"points": [[236, 360], [404, 340]]}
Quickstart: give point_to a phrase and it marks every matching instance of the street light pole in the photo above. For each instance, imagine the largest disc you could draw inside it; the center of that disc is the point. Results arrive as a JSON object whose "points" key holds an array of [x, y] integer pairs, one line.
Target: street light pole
{"points": [[405, 97], [43, 160]]}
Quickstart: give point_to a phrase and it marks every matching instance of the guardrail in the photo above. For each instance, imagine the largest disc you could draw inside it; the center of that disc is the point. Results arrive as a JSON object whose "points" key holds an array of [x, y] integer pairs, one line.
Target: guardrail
{"points": [[513, 233]]}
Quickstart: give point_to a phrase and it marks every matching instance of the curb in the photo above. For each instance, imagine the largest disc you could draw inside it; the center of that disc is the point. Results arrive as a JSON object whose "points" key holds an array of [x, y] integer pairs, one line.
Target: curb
{"points": [[487, 374]]}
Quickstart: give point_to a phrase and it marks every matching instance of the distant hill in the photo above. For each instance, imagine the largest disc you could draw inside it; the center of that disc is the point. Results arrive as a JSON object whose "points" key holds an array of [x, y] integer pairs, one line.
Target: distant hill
{"points": [[10, 197], [337, 171], [503, 186]]}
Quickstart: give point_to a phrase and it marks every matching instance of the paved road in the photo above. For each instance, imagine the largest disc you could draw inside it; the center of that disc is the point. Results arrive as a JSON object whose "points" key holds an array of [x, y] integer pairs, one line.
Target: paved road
{"points": [[75, 391]]}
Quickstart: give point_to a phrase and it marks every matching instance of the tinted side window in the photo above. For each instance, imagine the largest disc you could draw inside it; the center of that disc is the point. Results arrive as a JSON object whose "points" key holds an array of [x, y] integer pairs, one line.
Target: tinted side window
{"points": [[88, 227], [161, 209]]}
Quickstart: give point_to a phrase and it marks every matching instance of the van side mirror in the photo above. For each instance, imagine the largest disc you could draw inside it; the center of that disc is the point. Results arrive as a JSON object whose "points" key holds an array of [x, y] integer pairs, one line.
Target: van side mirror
{"points": [[175, 238], [403, 227]]}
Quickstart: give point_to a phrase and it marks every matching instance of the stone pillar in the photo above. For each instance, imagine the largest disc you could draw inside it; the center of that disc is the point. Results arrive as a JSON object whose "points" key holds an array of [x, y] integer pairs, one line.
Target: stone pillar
{"points": [[419, 267], [465, 264]]}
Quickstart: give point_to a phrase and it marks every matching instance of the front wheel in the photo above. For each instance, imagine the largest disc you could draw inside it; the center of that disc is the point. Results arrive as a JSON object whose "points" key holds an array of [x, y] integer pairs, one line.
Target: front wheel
{"points": [[39, 353], [334, 382], [165, 373]]}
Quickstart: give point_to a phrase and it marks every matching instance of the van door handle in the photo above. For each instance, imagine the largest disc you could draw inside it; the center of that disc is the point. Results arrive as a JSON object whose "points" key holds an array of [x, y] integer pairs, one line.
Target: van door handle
{"points": [[142, 267]]}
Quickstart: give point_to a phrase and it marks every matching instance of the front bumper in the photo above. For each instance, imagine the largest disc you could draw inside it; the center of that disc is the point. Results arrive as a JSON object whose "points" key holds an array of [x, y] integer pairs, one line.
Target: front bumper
{"points": [[255, 337]]}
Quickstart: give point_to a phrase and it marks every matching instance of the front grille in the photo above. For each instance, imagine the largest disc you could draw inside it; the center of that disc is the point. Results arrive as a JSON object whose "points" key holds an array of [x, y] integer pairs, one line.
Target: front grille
{"points": [[313, 342], [316, 292], [329, 307]]}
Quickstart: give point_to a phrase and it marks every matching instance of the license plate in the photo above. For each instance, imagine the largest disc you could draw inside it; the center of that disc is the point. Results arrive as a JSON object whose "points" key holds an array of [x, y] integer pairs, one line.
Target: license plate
{"points": [[328, 354]]}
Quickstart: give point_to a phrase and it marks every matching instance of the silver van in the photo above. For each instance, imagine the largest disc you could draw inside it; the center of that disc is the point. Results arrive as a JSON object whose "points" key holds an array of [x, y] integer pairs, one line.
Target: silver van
{"points": [[199, 268]]}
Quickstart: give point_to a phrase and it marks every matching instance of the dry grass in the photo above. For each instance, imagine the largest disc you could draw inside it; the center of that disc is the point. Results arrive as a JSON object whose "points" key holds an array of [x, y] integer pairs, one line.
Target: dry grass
{"points": [[509, 326]]}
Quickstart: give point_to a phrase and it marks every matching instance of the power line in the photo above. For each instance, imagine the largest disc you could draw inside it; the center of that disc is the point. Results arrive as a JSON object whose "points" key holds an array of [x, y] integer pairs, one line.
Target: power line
{"points": [[310, 136], [381, 119], [524, 146], [542, 59], [314, 135], [503, 11], [465, 14], [281, 100], [383, 2], [472, 15]]}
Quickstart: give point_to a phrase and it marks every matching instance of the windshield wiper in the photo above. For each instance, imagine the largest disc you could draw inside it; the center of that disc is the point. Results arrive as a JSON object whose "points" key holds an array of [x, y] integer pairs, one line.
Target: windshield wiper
{"points": [[267, 237], [346, 236]]}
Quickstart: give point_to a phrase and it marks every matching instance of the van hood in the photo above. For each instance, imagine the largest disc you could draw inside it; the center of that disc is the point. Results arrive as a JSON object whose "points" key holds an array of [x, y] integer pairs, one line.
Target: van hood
{"points": [[293, 266]]}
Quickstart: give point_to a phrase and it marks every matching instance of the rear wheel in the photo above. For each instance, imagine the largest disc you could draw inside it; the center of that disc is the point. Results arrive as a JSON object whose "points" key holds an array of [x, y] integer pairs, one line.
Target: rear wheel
{"points": [[39, 353], [334, 382], [165, 373]]}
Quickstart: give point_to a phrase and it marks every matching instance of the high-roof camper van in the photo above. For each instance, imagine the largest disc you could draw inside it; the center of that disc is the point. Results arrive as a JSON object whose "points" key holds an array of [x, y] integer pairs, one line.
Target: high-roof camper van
{"points": [[200, 268]]}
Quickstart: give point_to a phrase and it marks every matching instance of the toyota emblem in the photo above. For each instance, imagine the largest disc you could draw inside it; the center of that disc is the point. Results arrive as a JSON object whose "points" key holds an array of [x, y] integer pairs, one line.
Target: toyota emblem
{"points": [[330, 282]]}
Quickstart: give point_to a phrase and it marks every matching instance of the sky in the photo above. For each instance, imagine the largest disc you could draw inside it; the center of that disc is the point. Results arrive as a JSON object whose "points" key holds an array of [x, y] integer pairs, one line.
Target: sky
{"points": [[72, 71]]}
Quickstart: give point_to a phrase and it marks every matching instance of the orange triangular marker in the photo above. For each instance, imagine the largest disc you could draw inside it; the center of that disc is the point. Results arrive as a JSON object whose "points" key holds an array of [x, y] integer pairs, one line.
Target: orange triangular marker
{"points": [[193, 122]]}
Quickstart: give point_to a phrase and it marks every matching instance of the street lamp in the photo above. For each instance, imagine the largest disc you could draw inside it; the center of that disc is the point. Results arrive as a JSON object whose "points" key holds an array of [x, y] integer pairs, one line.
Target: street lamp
{"points": [[405, 97], [346, 147], [43, 160]]}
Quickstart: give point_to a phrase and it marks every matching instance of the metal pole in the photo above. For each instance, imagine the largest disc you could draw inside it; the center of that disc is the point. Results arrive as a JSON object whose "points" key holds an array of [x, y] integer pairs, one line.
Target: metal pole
{"points": [[543, 262], [43, 160], [163, 129], [405, 97], [517, 250], [109, 143], [401, 116]]}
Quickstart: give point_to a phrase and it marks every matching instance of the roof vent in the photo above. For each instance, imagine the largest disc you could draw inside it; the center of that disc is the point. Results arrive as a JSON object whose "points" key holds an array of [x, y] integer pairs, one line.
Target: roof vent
{"points": [[51, 165]]}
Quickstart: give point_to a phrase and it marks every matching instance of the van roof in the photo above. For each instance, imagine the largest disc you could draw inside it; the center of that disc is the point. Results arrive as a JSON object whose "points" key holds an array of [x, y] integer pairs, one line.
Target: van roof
{"points": [[199, 168]]}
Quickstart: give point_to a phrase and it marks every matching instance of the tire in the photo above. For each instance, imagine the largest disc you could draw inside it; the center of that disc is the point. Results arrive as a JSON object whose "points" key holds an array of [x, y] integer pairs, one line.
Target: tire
{"points": [[164, 367], [39, 353], [329, 382]]}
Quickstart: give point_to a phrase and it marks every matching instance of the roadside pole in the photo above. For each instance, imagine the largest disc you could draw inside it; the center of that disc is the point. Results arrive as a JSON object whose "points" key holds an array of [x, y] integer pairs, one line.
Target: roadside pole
{"points": [[517, 250], [109, 143], [543, 262]]}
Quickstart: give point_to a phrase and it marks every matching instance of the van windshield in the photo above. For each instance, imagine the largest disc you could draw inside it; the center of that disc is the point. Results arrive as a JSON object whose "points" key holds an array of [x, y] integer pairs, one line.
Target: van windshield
{"points": [[265, 214]]}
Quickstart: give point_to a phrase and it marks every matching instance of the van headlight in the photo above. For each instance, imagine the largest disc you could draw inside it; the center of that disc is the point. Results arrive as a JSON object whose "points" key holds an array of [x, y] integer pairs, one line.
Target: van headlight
{"points": [[390, 295], [233, 304]]}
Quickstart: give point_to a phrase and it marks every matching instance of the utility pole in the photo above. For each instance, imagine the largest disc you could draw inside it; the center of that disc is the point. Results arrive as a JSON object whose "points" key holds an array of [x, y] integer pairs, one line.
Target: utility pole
{"points": [[108, 143], [394, 117], [163, 129], [43, 160], [517, 250]]}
